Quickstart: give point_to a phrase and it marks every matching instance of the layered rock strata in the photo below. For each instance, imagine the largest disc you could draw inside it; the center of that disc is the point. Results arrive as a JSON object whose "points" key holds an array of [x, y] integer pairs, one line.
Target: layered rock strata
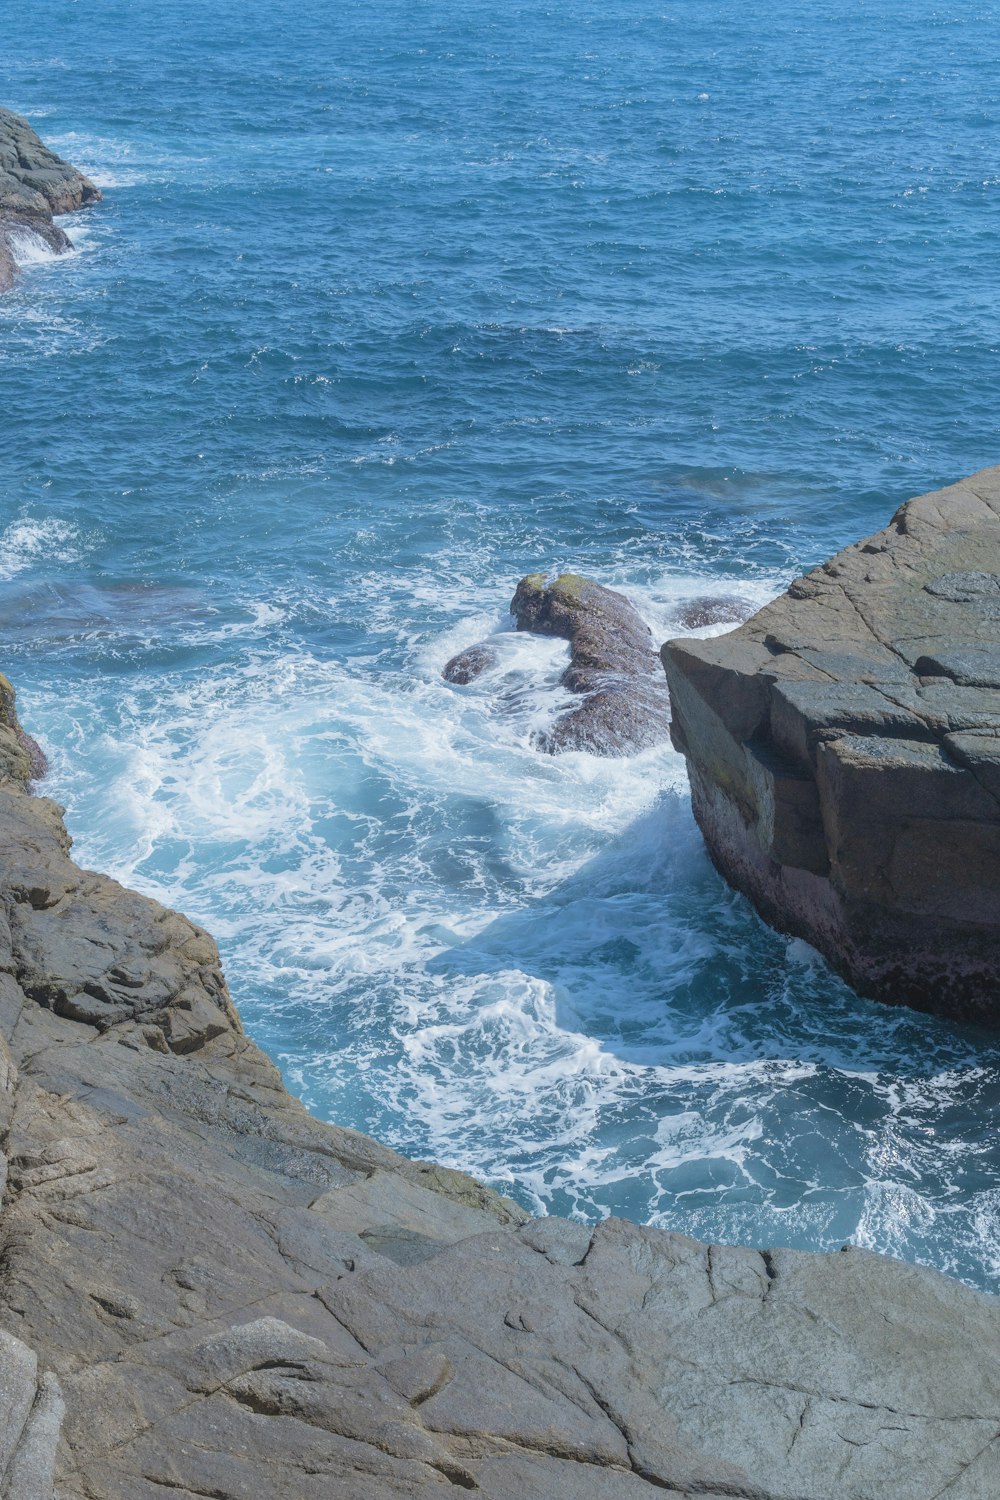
{"points": [[206, 1292], [35, 183], [844, 754]]}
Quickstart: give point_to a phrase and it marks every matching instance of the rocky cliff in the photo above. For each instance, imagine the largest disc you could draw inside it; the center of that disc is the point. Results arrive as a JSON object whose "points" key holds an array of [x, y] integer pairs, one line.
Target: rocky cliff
{"points": [[206, 1292], [34, 185], [844, 754]]}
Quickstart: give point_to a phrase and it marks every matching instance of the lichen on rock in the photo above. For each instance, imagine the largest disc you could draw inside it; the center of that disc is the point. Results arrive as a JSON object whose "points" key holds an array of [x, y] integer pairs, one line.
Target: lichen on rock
{"points": [[613, 665]]}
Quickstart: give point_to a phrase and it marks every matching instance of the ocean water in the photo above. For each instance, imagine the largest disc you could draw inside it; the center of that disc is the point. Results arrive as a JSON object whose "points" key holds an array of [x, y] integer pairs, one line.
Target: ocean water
{"points": [[385, 306]]}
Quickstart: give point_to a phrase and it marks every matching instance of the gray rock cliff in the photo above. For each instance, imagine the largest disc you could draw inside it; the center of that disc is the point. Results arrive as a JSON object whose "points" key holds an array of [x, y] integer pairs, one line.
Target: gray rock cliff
{"points": [[206, 1292], [35, 183], [844, 754]]}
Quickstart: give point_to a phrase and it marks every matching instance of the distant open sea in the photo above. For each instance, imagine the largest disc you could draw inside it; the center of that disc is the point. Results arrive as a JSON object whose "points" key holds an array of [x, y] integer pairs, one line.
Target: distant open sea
{"points": [[386, 305]]}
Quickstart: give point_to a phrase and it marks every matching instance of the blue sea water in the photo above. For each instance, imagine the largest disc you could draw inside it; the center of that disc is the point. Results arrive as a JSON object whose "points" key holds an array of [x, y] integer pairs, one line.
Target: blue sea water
{"points": [[385, 306]]}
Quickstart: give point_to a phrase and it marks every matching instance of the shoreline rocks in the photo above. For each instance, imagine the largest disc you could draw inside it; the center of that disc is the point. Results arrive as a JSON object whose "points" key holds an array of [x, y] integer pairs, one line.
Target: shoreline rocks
{"points": [[35, 183], [843, 748], [206, 1291], [469, 664], [712, 609]]}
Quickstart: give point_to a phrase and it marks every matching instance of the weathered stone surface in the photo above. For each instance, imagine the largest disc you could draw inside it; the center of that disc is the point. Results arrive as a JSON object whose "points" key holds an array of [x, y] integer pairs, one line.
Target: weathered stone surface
{"points": [[843, 753], [205, 1292], [35, 183], [613, 665]]}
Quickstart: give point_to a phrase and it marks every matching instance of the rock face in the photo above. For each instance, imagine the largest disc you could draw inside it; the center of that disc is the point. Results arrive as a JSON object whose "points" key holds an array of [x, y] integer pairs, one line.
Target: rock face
{"points": [[34, 185], [613, 664], [205, 1292], [844, 753]]}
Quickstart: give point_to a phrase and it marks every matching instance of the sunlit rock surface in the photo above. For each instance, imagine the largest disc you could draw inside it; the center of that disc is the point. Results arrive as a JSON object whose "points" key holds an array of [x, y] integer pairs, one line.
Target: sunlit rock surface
{"points": [[844, 753]]}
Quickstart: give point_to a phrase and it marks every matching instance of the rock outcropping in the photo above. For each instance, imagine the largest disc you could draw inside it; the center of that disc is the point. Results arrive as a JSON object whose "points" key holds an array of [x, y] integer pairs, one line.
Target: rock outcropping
{"points": [[613, 665], [34, 185], [624, 703], [712, 609], [206, 1292], [844, 753]]}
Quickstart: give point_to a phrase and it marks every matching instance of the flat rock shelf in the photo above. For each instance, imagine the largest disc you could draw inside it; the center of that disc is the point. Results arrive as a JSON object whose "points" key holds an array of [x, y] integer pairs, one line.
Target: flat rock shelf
{"points": [[205, 1291], [843, 748]]}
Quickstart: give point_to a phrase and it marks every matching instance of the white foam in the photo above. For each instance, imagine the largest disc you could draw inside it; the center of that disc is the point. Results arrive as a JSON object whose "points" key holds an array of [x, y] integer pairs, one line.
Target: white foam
{"points": [[109, 162], [26, 540], [29, 248]]}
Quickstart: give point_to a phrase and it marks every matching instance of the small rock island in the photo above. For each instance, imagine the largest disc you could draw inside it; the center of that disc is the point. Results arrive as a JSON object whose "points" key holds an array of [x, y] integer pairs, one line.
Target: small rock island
{"points": [[624, 705], [843, 747]]}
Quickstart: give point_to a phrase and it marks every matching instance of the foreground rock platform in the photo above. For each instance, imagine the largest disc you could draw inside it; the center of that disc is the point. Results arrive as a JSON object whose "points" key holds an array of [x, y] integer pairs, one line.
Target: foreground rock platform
{"points": [[844, 754], [35, 183], [206, 1292]]}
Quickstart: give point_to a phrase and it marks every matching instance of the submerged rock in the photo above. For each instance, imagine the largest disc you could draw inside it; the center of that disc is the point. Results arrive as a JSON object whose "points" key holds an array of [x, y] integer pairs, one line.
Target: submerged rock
{"points": [[207, 1292], [469, 664], [612, 662], [844, 753], [712, 609], [35, 183]]}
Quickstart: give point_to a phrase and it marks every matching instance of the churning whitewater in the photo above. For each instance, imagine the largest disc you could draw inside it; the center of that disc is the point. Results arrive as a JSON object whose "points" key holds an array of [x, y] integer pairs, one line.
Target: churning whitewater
{"points": [[368, 326]]}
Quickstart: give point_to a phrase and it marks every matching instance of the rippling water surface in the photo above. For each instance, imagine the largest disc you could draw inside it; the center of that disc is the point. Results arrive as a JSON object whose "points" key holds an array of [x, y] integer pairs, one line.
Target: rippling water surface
{"points": [[385, 306]]}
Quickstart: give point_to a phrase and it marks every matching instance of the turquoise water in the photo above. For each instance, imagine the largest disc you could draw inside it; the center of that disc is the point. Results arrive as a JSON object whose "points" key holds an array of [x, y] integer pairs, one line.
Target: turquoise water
{"points": [[385, 306]]}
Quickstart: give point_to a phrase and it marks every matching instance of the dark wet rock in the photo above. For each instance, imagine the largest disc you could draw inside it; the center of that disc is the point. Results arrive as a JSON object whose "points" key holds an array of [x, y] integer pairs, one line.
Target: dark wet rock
{"points": [[712, 609], [205, 1291], [843, 753], [38, 761], [35, 183], [612, 663], [34, 179], [470, 664]]}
